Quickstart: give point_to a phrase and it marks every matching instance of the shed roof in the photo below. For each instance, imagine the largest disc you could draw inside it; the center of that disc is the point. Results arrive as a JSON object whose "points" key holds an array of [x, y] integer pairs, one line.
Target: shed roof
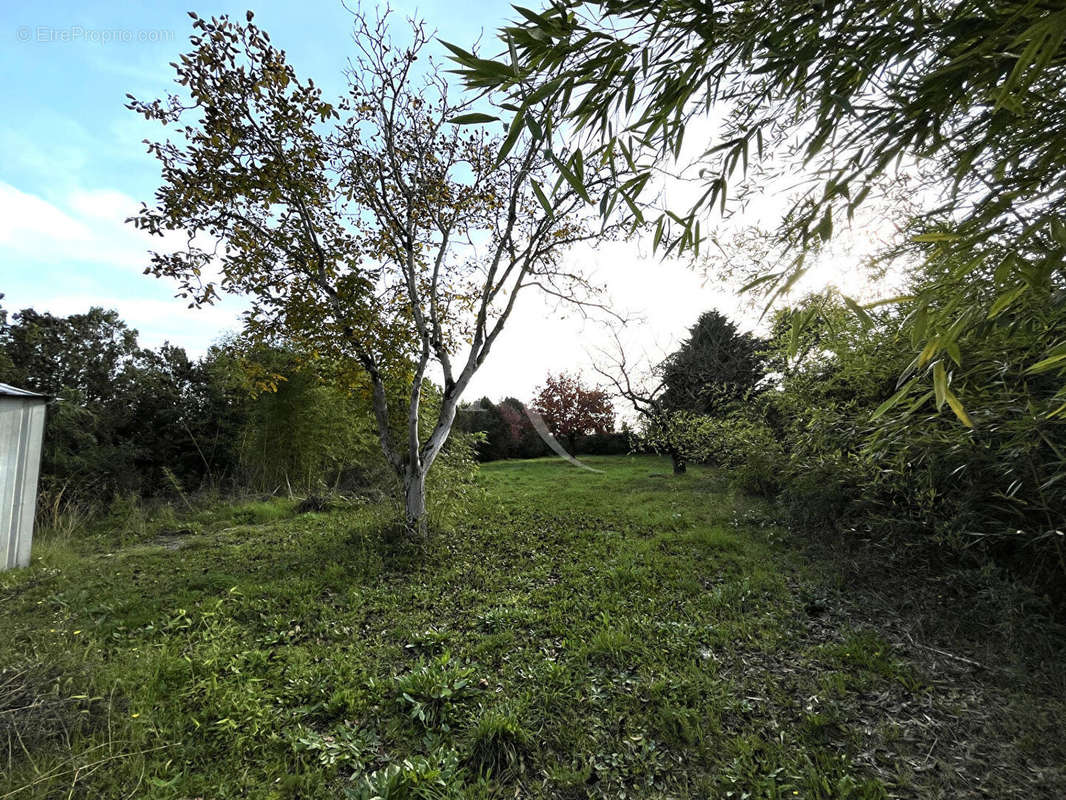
{"points": [[6, 390]]}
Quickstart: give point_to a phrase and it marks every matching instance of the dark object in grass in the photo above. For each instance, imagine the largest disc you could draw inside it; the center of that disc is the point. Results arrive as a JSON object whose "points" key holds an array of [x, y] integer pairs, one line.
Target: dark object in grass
{"points": [[314, 503], [815, 608]]}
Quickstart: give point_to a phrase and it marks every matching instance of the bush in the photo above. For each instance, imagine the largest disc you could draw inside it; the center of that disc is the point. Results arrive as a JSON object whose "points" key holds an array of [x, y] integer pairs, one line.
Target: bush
{"points": [[913, 468]]}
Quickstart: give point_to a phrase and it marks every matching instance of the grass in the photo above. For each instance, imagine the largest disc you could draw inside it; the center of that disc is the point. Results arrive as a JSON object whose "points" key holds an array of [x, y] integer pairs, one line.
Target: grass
{"points": [[572, 634]]}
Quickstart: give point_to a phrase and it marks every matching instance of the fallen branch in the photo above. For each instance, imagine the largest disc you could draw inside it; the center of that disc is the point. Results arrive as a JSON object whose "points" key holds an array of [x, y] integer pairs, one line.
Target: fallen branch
{"points": [[946, 654]]}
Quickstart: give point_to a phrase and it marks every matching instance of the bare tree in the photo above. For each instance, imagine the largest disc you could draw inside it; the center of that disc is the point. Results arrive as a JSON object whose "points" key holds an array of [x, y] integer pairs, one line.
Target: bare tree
{"points": [[643, 388]]}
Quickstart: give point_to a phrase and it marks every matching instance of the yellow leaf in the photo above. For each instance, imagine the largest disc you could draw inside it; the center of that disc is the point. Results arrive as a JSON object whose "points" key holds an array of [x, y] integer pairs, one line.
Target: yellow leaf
{"points": [[956, 406]]}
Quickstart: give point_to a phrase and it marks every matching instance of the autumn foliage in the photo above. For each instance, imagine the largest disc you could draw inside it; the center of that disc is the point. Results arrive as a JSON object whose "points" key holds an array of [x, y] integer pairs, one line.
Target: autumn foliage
{"points": [[570, 409]]}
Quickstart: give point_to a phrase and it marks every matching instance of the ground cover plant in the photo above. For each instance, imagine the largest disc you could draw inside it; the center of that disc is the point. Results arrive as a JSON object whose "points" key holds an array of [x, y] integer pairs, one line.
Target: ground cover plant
{"points": [[625, 633]]}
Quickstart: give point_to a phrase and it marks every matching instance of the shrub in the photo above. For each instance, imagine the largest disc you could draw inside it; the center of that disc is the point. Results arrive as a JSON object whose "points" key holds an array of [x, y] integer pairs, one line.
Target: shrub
{"points": [[988, 477]]}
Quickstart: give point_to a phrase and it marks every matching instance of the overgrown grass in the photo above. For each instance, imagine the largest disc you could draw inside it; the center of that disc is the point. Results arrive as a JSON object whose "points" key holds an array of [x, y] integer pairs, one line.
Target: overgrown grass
{"points": [[573, 634]]}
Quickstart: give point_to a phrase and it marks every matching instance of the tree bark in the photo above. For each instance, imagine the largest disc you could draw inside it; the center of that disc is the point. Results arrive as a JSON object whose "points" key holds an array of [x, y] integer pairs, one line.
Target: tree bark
{"points": [[678, 463], [414, 492]]}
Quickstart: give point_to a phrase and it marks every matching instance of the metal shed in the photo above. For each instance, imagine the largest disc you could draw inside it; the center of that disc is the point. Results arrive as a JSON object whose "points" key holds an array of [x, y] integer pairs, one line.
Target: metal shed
{"points": [[21, 432]]}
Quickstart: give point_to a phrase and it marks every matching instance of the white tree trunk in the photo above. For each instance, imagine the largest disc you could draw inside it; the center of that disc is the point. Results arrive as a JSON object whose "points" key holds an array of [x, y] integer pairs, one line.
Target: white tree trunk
{"points": [[414, 492]]}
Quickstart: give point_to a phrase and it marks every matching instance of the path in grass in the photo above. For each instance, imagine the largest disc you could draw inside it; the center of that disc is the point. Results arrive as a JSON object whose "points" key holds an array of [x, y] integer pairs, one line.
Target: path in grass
{"points": [[575, 634]]}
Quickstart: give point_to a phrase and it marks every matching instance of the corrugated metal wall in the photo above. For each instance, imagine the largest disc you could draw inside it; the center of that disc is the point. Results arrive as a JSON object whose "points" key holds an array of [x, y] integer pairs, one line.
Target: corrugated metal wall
{"points": [[21, 431]]}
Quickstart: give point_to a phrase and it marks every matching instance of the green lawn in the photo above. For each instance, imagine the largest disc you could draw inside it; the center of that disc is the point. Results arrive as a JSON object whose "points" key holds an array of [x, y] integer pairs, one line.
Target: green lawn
{"points": [[575, 634]]}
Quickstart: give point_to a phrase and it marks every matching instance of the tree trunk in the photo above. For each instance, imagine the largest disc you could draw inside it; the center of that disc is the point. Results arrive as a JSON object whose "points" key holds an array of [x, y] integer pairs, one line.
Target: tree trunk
{"points": [[679, 464], [414, 491]]}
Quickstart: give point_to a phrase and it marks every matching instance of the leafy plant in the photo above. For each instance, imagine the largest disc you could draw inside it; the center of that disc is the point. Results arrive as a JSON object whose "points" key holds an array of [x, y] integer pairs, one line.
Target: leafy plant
{"points": [[432, 689], [438, 776], [347, 746]]}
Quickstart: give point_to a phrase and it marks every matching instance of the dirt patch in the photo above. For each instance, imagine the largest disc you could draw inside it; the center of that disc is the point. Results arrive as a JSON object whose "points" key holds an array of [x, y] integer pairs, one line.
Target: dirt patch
{"points": [[173, 539]]}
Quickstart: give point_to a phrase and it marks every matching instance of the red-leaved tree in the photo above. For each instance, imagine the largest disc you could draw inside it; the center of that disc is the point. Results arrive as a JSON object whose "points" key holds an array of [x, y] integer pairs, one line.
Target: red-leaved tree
{"points": [[571, 410]]}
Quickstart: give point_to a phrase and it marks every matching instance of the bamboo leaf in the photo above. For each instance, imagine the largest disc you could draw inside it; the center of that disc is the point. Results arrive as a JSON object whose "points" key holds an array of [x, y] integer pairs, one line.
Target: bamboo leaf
{"points": [[864, 318], [542, 198], [472, 119], [1047, 364], [1004, 301], [940, 384], [957, 407], [891, 402], [512, 137], [570, 178]]}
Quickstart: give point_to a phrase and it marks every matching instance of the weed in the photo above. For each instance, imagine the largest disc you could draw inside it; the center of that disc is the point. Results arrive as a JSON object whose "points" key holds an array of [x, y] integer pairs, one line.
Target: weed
{"points": [[431, 690], [348, 746], [498, 745], [434, 777]]}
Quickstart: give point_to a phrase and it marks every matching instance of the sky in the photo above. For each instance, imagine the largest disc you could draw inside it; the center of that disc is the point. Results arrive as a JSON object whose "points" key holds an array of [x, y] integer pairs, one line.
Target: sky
{"points": [[73, 167]]}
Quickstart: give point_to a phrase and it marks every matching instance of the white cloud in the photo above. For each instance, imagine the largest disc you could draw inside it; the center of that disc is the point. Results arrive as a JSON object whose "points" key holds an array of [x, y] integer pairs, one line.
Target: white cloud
{"points": [[99, 258], [29, 223], [157, 320], [89, 227]]}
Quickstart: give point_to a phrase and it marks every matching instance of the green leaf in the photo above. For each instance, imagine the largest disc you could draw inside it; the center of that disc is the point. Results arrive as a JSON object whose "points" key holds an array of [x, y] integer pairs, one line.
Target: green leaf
{"points": [[1047, 364], [864, 318], [930, 350], [513, 132], [952, 350], [934, 237], [825, 227], [760, 281], [1058, 231], [920, 323], [472, 119], [891, 402], [542, 198], [570, 178], [534, 127], [658, 234], [1004, 301]]}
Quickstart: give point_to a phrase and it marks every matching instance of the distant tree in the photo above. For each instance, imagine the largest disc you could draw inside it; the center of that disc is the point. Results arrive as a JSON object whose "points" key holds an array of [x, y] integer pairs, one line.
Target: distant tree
{"points": [[484, 417], [511, 424], [663, 430], [570, 409], [83, 353], [525, 441], [715, 366], [125, 414], [377, 229]]}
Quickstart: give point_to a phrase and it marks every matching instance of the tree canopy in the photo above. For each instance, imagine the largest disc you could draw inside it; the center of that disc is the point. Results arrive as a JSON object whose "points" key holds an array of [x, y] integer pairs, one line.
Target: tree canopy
{"points": [[571, 409], [715, 366]]}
